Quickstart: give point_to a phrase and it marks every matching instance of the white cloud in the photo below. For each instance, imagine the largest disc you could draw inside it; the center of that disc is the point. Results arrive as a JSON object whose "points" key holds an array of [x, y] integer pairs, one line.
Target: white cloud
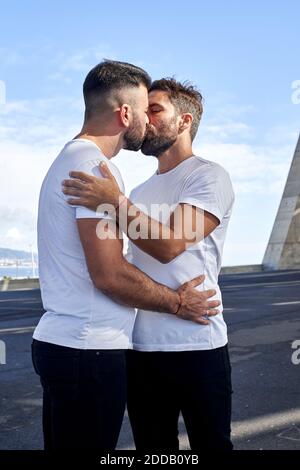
{"points": [[79, 62], [31, 135], [253, 168], [226, 130], [14, 234], [60, 76], [22, 168], [15, 107], [17, 228], [10, 57]]}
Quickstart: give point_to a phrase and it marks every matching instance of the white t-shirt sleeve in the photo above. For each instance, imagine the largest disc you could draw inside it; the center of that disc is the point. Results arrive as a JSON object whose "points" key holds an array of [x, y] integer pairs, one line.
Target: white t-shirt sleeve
{"points": [[129, 255], [209, 189], [92, 168]]}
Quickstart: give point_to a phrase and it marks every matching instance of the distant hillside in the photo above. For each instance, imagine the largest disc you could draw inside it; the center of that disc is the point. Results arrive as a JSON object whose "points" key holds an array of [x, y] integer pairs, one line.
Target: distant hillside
{"points": [[7, 253]]}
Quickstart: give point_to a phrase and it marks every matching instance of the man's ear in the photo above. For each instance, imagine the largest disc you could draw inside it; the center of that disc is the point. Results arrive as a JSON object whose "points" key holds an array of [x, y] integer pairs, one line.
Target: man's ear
{"points": [[125, 115], [185, 122]]}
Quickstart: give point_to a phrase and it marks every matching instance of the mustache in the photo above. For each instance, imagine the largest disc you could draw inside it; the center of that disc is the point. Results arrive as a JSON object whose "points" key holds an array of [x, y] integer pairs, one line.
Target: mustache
{"points": [[149, 126], [150, 129]]}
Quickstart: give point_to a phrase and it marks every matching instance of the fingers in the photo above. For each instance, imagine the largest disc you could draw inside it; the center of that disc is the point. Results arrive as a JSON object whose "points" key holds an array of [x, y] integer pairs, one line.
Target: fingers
{"points": [[201, 316], [78, 202], [202, 321], [105, 170], [208, 312], [82, 176], [209, 293], [74, 184], [199, 320], [72, 191], [213, 303], [212, 313], [196, 281], [205, 294]]}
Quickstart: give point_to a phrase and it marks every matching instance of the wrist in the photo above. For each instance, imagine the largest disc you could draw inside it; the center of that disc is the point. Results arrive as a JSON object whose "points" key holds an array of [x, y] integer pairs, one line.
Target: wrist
{"points": [[119, 201], [176, 304]]}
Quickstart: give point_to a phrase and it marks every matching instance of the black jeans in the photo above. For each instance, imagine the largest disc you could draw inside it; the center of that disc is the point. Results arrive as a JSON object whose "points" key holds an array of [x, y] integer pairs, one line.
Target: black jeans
{"points": [[84, 396], [197, 383]]}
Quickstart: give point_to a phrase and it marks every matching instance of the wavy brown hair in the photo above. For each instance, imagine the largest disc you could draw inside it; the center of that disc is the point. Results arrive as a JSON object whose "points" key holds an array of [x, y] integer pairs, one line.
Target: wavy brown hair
{"points": [[184, 96]]}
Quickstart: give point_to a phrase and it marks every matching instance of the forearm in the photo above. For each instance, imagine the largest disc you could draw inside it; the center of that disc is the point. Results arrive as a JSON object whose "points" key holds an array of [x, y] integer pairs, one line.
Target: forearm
{"points": [[130, 286], [149, 235]]}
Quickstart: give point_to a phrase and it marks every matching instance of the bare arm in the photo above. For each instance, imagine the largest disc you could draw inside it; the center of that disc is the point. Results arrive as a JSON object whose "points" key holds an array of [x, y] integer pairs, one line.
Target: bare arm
{"points": [[186, 226], [126, 284]]}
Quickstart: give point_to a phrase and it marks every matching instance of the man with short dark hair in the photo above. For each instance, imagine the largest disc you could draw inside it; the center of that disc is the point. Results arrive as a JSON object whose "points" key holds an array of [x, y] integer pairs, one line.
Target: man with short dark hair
{"points": [[175, 366], [88, 288]]}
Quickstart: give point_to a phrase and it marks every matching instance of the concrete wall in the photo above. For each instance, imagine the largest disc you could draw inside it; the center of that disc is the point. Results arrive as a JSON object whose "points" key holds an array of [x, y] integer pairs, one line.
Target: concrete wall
{"points": [[24, 284], [249, 268], [283, 250], [19, 284]]}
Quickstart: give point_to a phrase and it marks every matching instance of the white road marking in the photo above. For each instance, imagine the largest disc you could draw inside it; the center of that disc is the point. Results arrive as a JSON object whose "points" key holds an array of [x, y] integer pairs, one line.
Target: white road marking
{"points": [[22, 329], [287, 303]]}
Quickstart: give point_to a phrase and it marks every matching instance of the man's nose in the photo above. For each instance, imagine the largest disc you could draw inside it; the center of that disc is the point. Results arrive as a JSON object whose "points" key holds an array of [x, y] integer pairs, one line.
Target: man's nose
{"points": [[147, 119]]}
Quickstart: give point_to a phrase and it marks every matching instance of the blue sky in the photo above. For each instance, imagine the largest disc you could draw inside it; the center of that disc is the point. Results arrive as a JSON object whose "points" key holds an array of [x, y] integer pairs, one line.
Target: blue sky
{"points": [[243, 56]]}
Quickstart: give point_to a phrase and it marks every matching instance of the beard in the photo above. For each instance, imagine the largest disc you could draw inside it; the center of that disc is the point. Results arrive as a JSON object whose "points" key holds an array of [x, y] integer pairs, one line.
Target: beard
{"points": [[134, 136], [157, 142]]}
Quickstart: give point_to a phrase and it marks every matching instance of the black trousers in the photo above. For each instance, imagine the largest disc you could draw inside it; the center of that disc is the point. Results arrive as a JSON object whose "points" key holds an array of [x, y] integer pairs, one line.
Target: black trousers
{"points": [[195, 383], [84, 396]]}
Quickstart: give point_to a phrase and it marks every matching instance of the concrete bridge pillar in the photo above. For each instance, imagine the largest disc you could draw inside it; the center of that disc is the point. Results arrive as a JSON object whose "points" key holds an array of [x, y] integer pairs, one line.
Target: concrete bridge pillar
{"points": [[283, 250]]}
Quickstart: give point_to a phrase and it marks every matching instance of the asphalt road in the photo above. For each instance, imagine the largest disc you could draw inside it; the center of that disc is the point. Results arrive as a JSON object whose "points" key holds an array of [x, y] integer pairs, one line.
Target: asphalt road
{"points": [[262, 313]]}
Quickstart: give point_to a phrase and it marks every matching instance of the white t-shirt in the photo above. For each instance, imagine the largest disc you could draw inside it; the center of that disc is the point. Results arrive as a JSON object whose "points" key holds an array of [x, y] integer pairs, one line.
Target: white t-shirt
{"points": [[206, 185], [77, 314]]}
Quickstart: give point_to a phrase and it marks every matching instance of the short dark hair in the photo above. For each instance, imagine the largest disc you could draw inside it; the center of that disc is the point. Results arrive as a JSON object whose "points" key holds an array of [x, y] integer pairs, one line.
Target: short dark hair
{"points": [[111, 75], [184, 96]]}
